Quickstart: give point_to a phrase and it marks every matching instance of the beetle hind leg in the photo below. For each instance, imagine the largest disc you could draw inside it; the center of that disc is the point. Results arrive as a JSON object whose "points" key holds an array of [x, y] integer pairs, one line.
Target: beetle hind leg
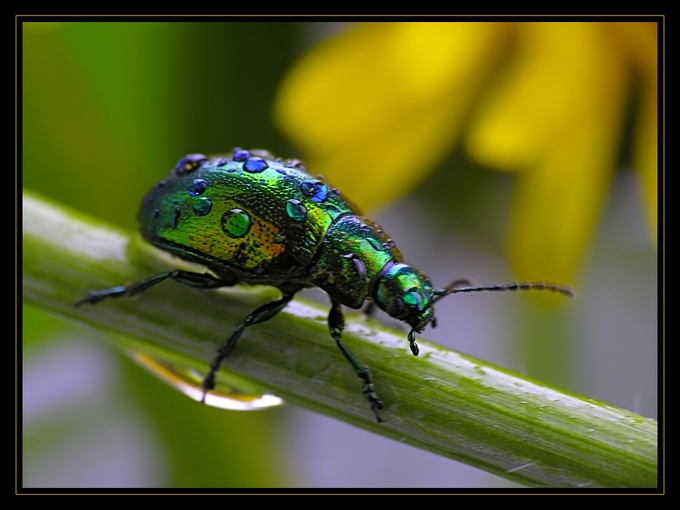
{"points": [[199, 280]]}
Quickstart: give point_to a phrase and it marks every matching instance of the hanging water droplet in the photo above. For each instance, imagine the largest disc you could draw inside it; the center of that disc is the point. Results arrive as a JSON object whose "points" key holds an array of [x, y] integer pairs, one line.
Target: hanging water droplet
{"points": [[236, 223], [189, 382], [296, 210]]}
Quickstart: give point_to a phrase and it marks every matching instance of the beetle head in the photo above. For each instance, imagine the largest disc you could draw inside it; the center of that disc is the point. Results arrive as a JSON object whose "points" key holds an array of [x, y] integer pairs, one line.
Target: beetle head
{"points": [[407, 295]]}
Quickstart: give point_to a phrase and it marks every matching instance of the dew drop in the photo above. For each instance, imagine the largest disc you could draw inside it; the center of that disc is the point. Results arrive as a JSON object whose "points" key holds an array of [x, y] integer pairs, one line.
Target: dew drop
{"points": [[316, 191], [202, 206], [189, 382], [189, 163], [236, 223], [296, 210], [241, 154], [197, 187], [255, 165]]}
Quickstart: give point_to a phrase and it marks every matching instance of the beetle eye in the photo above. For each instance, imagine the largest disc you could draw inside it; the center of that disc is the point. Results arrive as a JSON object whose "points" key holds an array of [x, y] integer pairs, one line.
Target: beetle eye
{"points": [[413, 299]]}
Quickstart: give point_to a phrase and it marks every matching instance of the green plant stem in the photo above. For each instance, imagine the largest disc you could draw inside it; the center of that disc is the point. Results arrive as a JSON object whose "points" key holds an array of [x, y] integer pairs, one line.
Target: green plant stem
{"points": [[441, 401]]}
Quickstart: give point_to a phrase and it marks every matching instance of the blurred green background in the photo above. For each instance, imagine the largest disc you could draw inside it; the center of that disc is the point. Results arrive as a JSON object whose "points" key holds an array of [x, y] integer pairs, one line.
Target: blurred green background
{"points": [[107, 110]]}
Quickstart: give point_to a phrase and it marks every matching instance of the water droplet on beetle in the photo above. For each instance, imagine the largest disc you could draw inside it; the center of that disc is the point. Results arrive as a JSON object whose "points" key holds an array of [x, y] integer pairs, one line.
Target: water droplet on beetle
{"points": [[202, 206], [255, 165], [296, 210], [189, 382], [189, 163], [316, 191], [197, 187], [236, 223], [241, 154]]}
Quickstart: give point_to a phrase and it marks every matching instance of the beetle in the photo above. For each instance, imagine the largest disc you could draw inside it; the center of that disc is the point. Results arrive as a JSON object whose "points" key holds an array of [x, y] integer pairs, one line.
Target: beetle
{"points": [[252, 218]]}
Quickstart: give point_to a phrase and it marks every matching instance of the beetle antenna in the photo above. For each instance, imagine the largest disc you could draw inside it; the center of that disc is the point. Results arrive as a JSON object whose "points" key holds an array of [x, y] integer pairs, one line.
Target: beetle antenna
{"points": [[465, 286]]}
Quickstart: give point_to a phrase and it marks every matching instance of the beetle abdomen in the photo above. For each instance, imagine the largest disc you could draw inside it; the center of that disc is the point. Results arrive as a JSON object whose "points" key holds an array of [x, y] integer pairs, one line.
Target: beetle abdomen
{"points": [[259, 217]]}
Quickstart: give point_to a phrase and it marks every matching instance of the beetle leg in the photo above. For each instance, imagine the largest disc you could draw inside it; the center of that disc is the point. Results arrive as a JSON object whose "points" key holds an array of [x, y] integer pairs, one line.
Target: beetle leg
{"points": [[336, 323], [200, 280], [261, 314]]}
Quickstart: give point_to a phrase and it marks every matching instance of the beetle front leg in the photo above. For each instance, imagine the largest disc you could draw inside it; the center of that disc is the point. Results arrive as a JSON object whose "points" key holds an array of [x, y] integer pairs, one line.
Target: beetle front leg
{"points": [[336, 324]]}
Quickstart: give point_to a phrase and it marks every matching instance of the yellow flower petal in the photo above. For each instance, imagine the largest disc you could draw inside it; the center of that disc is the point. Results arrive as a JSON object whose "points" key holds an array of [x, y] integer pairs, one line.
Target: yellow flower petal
{"points": [[646, 161], [544, 93], [378, 106], [639, 42], [560, 197]]}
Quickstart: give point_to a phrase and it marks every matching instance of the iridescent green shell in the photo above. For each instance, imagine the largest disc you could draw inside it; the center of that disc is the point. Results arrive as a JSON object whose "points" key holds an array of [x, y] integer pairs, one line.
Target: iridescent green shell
{"points": [[266, 221]]}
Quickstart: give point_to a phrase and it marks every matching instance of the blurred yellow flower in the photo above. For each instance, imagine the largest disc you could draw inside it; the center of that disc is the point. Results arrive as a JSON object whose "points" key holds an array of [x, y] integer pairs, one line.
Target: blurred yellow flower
{"points": [[547, 100]]}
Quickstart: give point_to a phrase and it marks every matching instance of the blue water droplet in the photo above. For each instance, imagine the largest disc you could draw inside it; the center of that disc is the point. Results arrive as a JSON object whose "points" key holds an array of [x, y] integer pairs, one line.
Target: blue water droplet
{"points": [[236, 223], [255, 165], [316, 191], [295, 163], [296, 210], [189, 163], [197, 187], [241, 154], [202, 206]]}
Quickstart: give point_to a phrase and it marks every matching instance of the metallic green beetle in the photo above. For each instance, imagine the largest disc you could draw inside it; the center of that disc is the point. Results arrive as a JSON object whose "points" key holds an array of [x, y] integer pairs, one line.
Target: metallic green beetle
{"points": [[252, 218]]}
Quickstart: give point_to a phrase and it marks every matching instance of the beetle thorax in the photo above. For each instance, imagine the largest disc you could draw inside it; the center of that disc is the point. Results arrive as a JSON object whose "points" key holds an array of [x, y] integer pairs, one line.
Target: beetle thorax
{"points": [[351, 259]]}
